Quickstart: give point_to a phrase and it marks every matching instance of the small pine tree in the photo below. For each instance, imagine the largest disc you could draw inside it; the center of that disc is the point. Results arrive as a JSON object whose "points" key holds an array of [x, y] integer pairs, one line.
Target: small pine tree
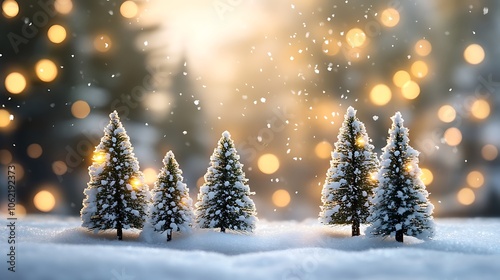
{"points": [[350, 180], [224, 200], [400, 202], [116, 195], [172, 207]]}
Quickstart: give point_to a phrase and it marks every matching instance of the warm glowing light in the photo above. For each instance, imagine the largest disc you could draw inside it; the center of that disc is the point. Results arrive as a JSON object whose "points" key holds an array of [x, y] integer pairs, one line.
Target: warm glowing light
{"points": [[10, 8], [63, 6], [466, 196], [423, 47], [453, 136], [34, 150], [475, 179], [80, 109], [323, 149], [355, 37], [129, 9], [268, 163], [5, 118], [380, 94], [360, 141], [44, 201], [102, 43], [410, 90], [59, 167], [5, 157], [15, 83], [480, 109], [489, 152], [400, 78], [20, 210], [390, 17], [447, 113], [474, 54], [427, 177], [135, 183], [419, 69], [46, 70], [19, 171], [373, 176], [56, 34], [281, 198], [331, 47], [150, 175], [99, 157]]}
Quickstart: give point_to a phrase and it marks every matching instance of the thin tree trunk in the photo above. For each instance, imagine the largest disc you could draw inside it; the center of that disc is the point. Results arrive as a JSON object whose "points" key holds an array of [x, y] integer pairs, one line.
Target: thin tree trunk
{"points": [[222, 229], [169, 235], [119, 233], [399, 235], [355, 227]]}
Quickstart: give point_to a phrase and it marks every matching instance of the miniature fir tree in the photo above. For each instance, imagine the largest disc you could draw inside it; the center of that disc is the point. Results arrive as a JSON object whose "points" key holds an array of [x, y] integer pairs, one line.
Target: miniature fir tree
{"points": [[172, 207], [350, 180], [116, 195], [400, 202], [224, 200]]}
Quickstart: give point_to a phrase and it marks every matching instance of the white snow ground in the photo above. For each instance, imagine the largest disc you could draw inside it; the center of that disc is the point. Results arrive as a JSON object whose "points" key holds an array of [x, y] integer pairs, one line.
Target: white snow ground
{"points": [[58, 248]]}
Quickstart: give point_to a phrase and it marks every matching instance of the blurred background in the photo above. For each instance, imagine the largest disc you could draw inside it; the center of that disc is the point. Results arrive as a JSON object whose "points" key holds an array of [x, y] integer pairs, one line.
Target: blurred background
{"points": [[279, 75]]}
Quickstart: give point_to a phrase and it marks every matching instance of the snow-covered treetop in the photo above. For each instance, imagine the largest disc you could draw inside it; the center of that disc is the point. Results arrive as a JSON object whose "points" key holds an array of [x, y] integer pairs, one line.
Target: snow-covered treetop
{"points": [[226, 134], [168, 157], [351, 112]]}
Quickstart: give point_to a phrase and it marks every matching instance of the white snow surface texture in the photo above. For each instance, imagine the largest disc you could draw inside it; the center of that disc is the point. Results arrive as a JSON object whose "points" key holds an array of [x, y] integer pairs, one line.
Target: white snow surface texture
{"points": [[57, 248]]}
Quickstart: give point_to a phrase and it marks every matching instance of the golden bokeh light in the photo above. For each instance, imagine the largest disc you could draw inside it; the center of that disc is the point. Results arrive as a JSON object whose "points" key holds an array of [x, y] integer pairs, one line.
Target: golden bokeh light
{"points": [[63, 6], [5, 157], [400, 78], [281, 198], [480, 109], [129, 9], [380, 94], [102, 43], [99, 157], [466, 196], [355, 37], [44, 201], [410, 90], [80, 109], [59, 167], [447, 113], [475, 179], [331, 47], [323, 149], [427, 177], [34, 150], [56, 34], [19, 171], [15, 83], [390, 17], [46, 70], [135, 183], [489, 152], [5, 118], [20, 210], [423, 47], [150, 175], [453, 136], [419, 69], [10, 8], [474, 54], [268, 163]]}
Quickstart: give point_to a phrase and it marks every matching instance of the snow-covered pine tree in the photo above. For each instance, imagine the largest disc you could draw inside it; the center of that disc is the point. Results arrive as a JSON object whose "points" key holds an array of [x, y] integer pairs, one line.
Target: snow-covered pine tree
{"points": [[224, 199], [350, 180], [400, 202], [172, 207], [116, 195]]}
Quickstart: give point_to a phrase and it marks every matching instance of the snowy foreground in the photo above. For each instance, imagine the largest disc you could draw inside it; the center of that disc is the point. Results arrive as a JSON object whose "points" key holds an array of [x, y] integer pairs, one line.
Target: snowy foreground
{"points": [[58, 248]]}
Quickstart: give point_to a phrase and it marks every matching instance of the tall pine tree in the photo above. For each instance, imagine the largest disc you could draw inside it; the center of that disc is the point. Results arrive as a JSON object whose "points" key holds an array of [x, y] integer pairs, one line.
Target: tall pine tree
{"points": [[224, 200], [116, 195], [172, 207], [400, 202], [350, 180]]}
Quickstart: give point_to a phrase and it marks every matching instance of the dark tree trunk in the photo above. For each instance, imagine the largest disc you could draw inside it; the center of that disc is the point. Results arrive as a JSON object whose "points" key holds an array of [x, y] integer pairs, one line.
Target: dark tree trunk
{"points": [[169, 235], [119, 233], [222, 229], [355, 227], [399, 235]]}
